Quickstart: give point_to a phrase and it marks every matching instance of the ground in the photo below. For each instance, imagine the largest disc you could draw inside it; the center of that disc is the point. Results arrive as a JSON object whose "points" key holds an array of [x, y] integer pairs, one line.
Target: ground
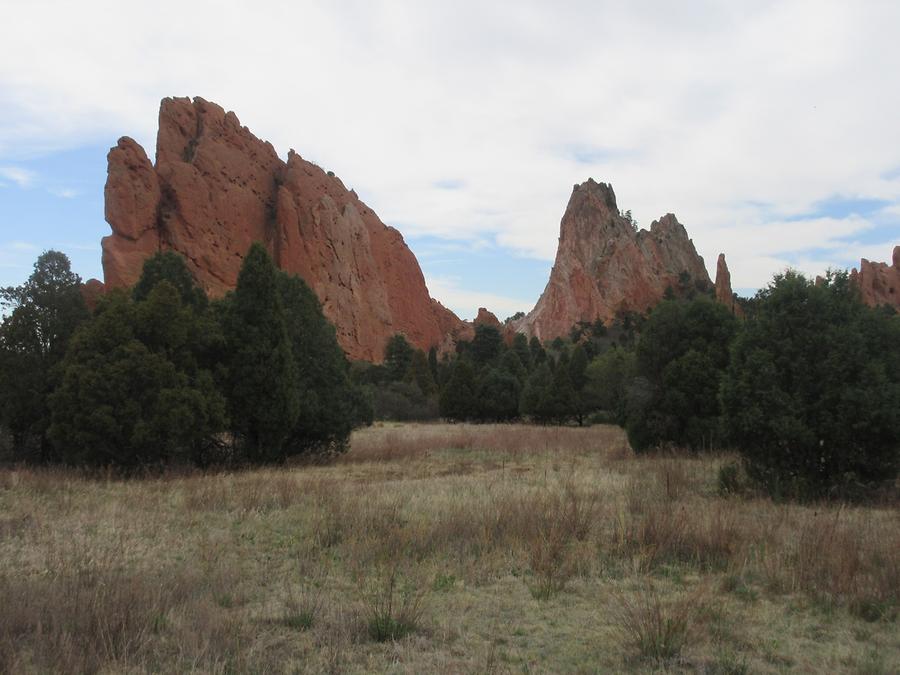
{"points": [[443, 549]]}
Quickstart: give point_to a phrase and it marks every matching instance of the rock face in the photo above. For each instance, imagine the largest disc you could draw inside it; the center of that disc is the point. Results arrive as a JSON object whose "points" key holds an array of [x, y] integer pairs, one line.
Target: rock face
{"points": [[724, 294], [215, 189], [604, 267], [879, 283]]}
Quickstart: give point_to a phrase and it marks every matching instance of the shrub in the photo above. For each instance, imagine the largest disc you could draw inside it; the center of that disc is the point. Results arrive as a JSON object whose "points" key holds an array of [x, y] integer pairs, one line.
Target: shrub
{"points": [[658, 631], [394, 607], [403, 402]]}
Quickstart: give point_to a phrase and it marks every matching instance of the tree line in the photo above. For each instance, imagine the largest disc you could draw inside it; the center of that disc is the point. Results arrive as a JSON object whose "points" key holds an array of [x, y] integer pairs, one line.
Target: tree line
{"points": [[806, 387], [159, 374]]}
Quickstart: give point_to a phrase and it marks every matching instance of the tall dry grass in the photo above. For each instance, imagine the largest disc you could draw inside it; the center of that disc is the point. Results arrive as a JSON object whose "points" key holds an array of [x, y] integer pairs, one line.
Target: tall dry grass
{"points": [[313, 565]]}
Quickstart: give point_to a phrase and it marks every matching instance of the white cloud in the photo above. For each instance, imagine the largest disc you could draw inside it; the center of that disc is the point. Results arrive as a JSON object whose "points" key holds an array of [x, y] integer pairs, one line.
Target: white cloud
{"points": [[21, 177], [63, 193], [471, 120]]}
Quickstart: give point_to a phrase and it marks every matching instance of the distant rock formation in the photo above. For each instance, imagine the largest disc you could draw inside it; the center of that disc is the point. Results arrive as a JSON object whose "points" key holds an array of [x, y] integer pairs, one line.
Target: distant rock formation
{"points": [[724, 294], [604, 266], [486, 318], [879, 283], [215, 189]]}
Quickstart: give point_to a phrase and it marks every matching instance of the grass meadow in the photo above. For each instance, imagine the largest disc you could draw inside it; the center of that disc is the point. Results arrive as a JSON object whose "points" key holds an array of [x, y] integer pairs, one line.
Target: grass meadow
{"points": [[443, 549]]}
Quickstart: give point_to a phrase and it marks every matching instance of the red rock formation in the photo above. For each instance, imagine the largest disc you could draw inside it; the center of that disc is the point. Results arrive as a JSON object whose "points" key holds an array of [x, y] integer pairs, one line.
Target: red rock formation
{"points": [[486, 318], [216, 188], [603, 266], [879, 283], [91, 290], [724, 294]]}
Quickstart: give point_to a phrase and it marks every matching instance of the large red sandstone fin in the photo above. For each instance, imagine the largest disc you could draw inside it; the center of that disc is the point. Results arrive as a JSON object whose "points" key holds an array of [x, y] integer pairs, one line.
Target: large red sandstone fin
{"points": [[216, 188]]}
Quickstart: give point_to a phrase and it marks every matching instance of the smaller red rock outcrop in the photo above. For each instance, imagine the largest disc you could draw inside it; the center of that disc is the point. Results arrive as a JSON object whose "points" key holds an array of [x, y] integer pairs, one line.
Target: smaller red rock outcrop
{"points": [[724, 294], [486, 318], [879, 283], [91, 290]]}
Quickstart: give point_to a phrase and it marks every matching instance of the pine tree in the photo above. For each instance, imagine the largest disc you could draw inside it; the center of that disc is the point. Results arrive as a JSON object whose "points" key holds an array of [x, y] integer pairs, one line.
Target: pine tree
{"points": [[577, 375], [534, 392], [558, 403], [498, 396], [812, 391], [520, 347], [419, 373], [511, 364], [44, 313], [131, 394], [398, 354], [262, 392], [458, 399], [329, 405], [433, 365], [538, 353], [172, 267], [682, 355], [607, 379], [486, 345]]}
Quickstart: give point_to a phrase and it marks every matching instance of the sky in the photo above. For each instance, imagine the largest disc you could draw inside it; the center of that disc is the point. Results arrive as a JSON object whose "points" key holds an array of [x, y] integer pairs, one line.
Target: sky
{"points": [[770, 129]]}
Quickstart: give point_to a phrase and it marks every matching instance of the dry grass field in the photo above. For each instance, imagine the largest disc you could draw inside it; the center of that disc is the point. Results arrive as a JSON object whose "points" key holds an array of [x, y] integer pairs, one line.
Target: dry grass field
{"points": [[443, 549]]}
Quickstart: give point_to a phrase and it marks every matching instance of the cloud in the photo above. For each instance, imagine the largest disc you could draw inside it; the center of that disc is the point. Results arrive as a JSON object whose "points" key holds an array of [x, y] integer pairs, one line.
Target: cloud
{"points": [[63, 193], [465, 302], [472, 122], [21, 177]]}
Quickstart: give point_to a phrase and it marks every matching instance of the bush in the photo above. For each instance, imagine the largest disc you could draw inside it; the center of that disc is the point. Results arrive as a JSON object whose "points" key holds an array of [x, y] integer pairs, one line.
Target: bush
{"points": [[403, 402], [812, 393]]}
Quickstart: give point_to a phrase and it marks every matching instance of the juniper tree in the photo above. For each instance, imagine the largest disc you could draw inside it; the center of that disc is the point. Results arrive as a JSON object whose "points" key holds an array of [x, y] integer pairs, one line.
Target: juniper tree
{"points": [[43, 314]]}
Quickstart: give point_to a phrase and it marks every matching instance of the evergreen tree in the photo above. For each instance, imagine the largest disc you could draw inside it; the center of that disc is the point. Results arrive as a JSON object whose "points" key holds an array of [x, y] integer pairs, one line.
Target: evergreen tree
{"points": [[420, 373], [329, 407], [682, 355], [511, 364], [398, 354], [433, 366], [131, 392], [578, 377], [263, 398], [558, 402], [607, 379], [486, 345], [520, 347], [534, 391], [812, 391], [169, 266], [538, 354], [498, 396], [44, 313], [458, 399]]}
